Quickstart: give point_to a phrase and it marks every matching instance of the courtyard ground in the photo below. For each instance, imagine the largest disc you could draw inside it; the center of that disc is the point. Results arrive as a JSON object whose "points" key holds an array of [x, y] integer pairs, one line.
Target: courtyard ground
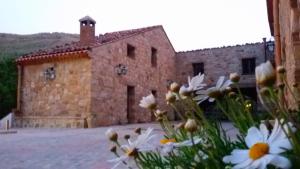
{"points": [[64, 148]]}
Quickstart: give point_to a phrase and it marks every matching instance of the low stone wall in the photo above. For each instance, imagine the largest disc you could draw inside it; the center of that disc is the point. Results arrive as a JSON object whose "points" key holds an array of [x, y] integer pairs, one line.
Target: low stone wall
{"points": [[7, 119], [50, 122]]}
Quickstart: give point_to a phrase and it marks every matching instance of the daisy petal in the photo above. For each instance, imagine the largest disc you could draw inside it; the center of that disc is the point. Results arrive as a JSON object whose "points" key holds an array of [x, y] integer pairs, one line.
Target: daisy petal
{"points": [[220, 81], [211, 99], [237, 156], [280, 162], [226, 84], [280, 146], [116, 165], [253, 136], [264, 131], [243, 165]]}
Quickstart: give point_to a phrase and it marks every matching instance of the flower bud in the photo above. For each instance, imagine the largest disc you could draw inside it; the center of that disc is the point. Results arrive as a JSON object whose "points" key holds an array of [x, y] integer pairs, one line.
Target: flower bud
{"points": [[280, 69], [228, 89], [174, 87], [281, 86], [159, 119], [180, 126], [214, 93], [295, 85], [264, 91], [113, 149], [132, 153], [191, 125], [234, 77], [185, 91], [138, 130], [232, 94], [127, 136], [159, 113], [170, 97], [265, 74], [111, 135]]}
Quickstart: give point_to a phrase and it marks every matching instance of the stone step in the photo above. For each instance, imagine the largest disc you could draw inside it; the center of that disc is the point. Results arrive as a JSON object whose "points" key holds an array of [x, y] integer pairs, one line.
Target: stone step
{"points": [[8, 131]]}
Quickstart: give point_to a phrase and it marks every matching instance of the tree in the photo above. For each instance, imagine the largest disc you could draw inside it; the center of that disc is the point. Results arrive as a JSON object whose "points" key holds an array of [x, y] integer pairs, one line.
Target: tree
{"points": [[8, 85]]}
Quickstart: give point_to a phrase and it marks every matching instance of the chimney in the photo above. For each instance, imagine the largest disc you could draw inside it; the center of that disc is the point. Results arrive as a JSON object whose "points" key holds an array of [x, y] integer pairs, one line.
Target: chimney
{"points": [[87, 30]]}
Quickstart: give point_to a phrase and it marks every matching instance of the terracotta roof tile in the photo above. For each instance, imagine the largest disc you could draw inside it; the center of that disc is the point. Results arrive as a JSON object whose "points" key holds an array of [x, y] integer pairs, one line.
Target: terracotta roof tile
{"points": [[77, 46]]}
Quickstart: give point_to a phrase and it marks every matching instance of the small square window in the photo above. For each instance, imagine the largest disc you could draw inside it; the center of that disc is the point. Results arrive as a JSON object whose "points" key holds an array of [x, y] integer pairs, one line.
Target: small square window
{"points": [[248, 66], [153, 57], [130, 51], [154, 93], [198, 68]]}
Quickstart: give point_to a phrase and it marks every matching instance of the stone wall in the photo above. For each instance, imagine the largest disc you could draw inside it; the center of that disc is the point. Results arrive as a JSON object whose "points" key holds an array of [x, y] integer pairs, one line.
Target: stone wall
{"points": [[290, 41], [61, 102], [219, 62], [109, 90]]}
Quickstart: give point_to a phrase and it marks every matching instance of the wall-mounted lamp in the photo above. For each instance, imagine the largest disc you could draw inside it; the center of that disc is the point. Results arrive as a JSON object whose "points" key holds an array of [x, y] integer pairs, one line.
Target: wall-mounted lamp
{"points": [[121, 69], [49, 73], [268, 49], [270, 45]]}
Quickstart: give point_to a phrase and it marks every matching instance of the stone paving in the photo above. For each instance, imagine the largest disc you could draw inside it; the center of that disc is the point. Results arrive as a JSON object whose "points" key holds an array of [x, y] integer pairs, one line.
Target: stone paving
{"points": [[63, 148]]}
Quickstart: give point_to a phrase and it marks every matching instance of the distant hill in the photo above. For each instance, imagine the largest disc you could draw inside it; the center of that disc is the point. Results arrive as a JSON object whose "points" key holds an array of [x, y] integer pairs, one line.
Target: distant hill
{"points": [[13, 45]]}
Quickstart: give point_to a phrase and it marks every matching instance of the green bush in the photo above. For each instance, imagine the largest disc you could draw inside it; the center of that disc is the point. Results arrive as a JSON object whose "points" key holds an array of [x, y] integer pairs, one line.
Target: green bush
{"points": [[8, 85]]}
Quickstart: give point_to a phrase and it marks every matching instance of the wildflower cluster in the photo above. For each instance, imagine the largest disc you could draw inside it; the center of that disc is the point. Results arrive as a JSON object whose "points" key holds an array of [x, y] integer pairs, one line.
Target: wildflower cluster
{"points": [[269, 141]]}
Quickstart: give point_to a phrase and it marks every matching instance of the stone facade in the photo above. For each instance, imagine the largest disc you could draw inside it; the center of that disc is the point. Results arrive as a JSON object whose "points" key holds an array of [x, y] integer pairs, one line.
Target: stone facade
{"points": [[61, 102], [109, 90], [87, 91], [220, 62], [101, 79], [284, 20]]}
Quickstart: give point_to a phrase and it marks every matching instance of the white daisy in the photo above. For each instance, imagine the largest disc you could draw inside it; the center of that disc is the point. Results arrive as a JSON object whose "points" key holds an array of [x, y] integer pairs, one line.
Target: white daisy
{"points": [[148, 102], [265, 74], [264, 149], [213, 92], [170, 97], [111, 134], [194, 84], [141, 144], [168, 145]]}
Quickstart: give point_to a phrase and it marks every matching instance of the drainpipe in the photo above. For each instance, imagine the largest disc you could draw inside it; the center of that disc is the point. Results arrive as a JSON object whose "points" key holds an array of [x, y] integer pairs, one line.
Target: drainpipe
{"points": [[19, 88], [265, 48], [277, 32]]}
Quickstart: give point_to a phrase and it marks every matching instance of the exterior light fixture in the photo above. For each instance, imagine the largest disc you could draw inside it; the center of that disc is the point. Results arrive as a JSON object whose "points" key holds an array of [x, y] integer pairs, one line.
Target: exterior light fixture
{"points": [[268, 49], [121, 69], [49, 73], [270, 46]]}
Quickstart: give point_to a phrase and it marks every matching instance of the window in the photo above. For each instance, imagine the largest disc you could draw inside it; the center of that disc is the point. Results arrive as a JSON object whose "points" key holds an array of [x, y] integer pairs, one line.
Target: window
{"points": [[153, 57], [154, 93], [248, 66], [130, 103], [130, 51], [198, 68]]}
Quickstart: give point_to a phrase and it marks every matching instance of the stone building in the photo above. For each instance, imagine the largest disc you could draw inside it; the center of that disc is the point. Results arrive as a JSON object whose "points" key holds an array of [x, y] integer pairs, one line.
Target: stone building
{"points": [[96, 81], [284, 21], [100, 79], [216, 62]]}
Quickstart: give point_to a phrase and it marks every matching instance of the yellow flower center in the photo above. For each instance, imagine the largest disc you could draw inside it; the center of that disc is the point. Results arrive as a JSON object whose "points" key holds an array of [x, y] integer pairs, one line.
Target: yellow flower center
{"points": [[258, 150], [132, 153], [165, 141]]}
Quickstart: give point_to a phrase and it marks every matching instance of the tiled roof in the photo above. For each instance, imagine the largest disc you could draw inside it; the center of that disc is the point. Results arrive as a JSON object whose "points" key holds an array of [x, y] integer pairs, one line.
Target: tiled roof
{"points": [[77, 46]]}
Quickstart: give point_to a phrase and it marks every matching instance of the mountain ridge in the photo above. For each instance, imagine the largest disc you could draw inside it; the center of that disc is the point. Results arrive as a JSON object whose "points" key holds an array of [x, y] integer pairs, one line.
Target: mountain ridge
{"points": [[15, 45]]}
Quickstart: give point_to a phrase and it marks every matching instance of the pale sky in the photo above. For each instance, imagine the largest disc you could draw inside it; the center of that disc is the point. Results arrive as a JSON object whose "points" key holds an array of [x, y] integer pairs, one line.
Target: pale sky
{"points": [[190, 24]]}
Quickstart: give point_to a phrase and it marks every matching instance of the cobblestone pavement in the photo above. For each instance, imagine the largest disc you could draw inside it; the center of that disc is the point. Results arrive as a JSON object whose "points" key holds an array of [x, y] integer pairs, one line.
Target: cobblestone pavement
{"points": [[62, 148]]}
